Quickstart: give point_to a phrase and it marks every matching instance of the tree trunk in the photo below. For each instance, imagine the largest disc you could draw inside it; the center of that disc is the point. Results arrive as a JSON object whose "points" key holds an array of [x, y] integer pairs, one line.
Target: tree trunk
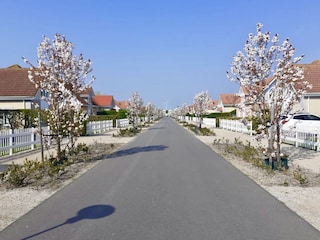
{"points": [[278, 144], [270, 143], [59, 153]]}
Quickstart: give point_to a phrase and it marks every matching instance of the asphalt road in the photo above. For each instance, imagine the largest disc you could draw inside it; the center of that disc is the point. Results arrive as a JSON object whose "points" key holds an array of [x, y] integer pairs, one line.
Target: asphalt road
{"points": [[166, 185]]}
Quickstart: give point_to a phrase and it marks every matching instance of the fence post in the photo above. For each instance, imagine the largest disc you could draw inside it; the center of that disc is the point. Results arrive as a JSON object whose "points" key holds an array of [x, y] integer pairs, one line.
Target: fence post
{"points": [[11, 142], [318, 142], [33, 138]]}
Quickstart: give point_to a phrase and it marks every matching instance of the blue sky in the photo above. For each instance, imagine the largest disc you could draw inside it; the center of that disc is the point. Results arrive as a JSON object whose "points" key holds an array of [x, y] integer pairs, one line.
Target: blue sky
{"points": [[166, 50]]}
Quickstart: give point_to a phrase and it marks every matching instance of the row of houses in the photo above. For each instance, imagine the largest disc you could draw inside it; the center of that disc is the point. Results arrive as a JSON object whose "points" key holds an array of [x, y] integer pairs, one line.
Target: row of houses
{"points": [[310, 102], [17, 92]]}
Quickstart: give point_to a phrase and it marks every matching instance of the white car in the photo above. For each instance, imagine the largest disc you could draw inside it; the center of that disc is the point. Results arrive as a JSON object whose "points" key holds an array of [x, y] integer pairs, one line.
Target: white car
{"points": [[302, 120]]}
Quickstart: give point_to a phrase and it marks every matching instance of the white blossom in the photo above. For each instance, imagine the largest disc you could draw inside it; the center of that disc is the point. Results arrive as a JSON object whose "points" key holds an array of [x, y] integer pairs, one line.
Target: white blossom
{"points": [[134, 108], [61, 76], [272, 79], [201, 104]]}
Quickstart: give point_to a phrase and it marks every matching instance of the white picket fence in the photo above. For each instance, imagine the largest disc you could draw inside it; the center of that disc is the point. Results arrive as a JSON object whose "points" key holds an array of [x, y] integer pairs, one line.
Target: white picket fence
{"points": [[99, 126], [300, 137], [18, 140], [303, 137], [121, 123], [12, 141], [210, 122], [236, 126]]}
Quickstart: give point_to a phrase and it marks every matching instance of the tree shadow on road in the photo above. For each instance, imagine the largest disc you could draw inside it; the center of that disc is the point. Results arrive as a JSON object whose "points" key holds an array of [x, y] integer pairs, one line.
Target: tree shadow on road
{"points": [[135, 150], [91, 212], [155, 128]]}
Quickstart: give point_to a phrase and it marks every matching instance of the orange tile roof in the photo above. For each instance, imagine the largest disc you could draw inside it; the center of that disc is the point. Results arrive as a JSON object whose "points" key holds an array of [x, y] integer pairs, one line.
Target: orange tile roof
{"points": [[213, 104], [312, 75], [261, 85], [14, 82], [103, 100], [122, 104], [87, 90], [229, 99]]}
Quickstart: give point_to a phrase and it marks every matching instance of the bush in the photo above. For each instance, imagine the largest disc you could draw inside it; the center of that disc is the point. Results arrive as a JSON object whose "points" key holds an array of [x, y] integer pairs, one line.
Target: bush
{"points": [[231, 114], [113, 114], [199, 131], [30, 172], [206, 132], [128, 132], [34, 172], [246, 151]]}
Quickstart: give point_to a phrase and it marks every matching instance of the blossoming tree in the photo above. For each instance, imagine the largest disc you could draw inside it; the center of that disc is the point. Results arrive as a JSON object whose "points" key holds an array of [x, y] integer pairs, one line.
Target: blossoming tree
{"points": [[181, 111], [134, 108], [150, 111], [61, 76], [201, 104], [273, 80]]}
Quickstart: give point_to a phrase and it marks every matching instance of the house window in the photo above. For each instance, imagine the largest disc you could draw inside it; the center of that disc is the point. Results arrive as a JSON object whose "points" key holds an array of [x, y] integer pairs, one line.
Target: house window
{"points": [[44, 94]]}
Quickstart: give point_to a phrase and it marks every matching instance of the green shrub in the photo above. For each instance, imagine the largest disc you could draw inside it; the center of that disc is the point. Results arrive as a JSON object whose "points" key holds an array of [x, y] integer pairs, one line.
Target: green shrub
{"points": [[128, 132], [206, 132], [298, 175], [16, 175], [31, 172]]}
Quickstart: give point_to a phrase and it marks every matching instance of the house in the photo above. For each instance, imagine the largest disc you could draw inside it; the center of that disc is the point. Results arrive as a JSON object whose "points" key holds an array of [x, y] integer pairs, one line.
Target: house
{"points": [[104, 102], [85, 97], [311, 99], [213, 106], [121, 105], [228, 102], [17, 92]]}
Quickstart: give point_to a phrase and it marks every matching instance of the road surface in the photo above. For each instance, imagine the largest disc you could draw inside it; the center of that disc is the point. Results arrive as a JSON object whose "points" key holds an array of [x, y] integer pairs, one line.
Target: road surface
{"points": [[165, 184]]}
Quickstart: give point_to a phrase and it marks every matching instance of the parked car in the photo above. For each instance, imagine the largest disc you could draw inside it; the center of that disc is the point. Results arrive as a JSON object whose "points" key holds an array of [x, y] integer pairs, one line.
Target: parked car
{"points": [[300, 120]]}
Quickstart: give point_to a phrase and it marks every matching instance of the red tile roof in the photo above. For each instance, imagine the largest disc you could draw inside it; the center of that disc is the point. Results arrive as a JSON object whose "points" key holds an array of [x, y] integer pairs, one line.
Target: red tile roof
{"points": [[14, 82], [103, 100]]}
